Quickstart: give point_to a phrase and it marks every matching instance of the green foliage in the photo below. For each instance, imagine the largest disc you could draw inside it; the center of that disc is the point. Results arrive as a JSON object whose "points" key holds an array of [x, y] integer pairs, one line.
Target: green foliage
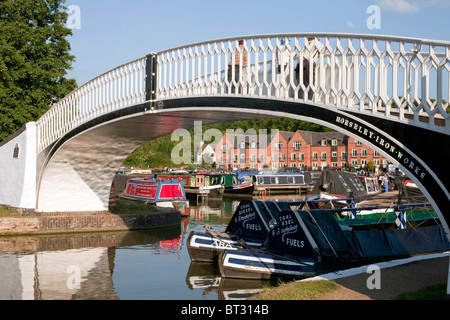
{"points": [[309, 290], [34, 59], [437, 292]]}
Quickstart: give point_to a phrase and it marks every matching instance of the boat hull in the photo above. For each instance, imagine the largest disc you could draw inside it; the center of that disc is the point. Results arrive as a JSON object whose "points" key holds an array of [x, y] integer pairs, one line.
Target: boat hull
{"points": [[205, 247], [240, 189], [262, 266]]}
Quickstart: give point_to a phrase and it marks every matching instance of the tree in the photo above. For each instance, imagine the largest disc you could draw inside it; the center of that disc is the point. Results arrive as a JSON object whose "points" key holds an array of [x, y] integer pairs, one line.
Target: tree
{"points": [[34, 60]]}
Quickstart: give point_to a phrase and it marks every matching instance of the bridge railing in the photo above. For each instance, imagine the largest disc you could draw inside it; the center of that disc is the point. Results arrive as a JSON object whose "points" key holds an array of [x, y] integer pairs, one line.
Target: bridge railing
{"points": [[116, 89], [399, 78]]}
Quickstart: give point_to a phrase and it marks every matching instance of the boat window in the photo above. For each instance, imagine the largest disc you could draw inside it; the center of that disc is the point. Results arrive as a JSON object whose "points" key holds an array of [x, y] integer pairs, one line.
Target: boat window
{"points": [[273, 180], [290, 179]]}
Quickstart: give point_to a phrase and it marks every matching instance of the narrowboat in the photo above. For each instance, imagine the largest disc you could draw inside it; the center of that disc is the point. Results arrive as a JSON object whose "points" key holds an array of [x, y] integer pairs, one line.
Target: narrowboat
{"points": [[253, 220], [240, 189], [248, 227], [344, 184], [276, 183], [165, 193], [211, 184], [241, 184], [304, 243], [371, 185]]}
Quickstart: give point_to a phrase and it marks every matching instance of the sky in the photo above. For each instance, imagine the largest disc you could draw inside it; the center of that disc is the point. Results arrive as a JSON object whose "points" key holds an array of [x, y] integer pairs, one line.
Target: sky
{"points": [[113, 32]]}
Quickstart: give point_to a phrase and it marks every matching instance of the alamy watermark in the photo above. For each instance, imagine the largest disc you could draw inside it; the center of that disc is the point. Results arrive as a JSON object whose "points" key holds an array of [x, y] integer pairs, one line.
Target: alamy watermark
{"points": [[74, 280], [374, 281], [74, 17], [262, 144], [374, 20]]}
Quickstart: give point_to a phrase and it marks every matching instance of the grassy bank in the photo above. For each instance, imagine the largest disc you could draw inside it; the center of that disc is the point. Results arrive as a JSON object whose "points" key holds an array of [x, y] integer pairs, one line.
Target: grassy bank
{"points": [[309, 290], [314, 290], [6, 211]]}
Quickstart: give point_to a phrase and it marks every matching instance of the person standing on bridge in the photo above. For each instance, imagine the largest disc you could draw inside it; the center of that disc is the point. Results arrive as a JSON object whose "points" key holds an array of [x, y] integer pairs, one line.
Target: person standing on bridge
{"points": [[309, 66], [282, 77], [237, 66]]}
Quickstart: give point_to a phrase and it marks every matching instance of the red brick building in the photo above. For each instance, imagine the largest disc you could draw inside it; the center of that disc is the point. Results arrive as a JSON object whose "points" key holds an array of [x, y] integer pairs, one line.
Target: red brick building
{"points": [[301, 149]]}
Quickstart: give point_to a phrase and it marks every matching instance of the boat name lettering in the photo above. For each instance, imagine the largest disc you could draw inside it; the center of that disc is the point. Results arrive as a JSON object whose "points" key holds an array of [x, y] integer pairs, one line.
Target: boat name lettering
{"points": [[295, 242], [253, 226], [384, 144], [221, 244]]}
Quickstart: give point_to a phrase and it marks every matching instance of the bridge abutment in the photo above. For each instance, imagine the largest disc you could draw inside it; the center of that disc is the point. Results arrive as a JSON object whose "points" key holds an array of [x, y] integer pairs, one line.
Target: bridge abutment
{"points": [[18, 168]]}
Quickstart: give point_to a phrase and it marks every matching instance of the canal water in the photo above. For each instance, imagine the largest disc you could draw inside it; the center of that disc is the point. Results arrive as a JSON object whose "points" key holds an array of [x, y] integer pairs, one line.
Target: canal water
{"points": [[137, 265]]}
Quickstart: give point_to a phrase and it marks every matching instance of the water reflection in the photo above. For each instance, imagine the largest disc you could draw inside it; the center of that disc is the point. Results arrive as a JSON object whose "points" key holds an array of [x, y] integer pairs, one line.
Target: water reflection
{"points": [[150, 264]]}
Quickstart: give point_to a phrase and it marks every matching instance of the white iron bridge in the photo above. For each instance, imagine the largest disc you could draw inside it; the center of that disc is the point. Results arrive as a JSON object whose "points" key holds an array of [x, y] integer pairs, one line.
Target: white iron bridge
{"points": [[396, 78], [391, 93]]}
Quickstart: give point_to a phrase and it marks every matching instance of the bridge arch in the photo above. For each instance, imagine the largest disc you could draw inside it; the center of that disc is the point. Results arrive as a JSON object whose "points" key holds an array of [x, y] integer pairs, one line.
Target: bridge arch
{"points": [[87, 158]]}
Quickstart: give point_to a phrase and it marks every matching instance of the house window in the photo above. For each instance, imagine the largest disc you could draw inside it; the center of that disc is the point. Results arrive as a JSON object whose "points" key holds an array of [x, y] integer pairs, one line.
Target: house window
{"points": [[334, 142], [253, 158], [253, 145], [364, 153], [323, 143], [297, 145], [376, 153], [292, 156], [242, 144], [358, 143], [343, 155], [301, 156], [354, 153], [282, 157], [315, 156], [224, 147], [334, 154], [279, 146], [324, 156]]}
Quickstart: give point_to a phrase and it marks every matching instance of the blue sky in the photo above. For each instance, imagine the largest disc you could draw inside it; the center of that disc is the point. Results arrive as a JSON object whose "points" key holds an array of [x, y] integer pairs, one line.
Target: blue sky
{"points": [[114, 32]]}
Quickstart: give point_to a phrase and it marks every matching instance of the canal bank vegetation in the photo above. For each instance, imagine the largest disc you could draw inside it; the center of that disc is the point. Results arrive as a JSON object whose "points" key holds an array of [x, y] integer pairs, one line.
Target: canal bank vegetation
{"points": [[6, 211], [308, 290], [316, 290]]}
